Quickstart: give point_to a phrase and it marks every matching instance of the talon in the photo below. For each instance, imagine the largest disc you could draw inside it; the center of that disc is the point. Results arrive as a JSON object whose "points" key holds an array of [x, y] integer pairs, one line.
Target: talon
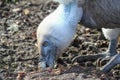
{"points": [[98, 62], [114, 61], [104, 61], [83, 58]]}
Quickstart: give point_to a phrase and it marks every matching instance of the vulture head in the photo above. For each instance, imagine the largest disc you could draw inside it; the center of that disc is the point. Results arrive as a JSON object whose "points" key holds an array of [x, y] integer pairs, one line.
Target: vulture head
{"points": [[48, 51], [56, 32]]}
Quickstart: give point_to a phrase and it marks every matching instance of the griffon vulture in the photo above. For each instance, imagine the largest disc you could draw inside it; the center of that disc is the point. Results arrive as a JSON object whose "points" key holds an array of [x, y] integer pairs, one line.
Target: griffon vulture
{"points": [[56, 31]]}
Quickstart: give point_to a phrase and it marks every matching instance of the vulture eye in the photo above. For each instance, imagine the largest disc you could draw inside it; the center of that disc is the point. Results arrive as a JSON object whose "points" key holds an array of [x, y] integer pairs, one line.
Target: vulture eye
{"points": [[45, 43]]}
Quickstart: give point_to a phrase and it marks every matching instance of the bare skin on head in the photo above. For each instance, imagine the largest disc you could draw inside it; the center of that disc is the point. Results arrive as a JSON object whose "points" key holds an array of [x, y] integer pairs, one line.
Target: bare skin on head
{"points": [[56, 31]]}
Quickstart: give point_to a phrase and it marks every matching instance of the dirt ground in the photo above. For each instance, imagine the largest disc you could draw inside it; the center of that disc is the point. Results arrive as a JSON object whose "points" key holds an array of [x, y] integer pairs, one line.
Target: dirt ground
{"points": [[19, 54]]}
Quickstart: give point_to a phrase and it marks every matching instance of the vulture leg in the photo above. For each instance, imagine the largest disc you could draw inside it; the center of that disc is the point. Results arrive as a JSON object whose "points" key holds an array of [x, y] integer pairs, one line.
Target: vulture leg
{"points": [[111, 51], [112, 35]]}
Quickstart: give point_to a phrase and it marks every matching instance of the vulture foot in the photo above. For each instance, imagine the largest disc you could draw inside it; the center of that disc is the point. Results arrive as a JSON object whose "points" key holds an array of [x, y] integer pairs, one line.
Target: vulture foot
{"points": [[114, 61], [104, 59], [101, 60], [82, 58]]}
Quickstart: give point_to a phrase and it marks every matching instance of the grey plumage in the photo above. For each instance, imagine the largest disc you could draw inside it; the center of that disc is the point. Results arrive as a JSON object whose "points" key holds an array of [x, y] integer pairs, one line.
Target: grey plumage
{"points": [[101, 13]]}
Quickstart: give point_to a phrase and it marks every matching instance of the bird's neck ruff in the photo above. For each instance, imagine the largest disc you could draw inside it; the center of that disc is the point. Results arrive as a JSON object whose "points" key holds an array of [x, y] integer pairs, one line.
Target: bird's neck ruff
{"points": [[69, 13]]}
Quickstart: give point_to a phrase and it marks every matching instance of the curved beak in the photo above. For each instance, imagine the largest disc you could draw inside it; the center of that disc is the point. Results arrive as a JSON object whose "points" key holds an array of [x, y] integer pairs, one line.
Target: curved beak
{"points": [[47, 56]]}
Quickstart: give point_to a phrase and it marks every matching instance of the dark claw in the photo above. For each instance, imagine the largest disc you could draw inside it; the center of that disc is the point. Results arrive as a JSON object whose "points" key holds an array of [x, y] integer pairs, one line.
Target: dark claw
{"points": [[114, 61], [102, 61], [83, 58], [98, 62]]}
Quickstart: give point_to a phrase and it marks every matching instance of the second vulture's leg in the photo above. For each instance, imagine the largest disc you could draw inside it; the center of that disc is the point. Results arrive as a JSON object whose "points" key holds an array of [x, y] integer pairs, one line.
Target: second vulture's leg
{"points": [[112, 35]]}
